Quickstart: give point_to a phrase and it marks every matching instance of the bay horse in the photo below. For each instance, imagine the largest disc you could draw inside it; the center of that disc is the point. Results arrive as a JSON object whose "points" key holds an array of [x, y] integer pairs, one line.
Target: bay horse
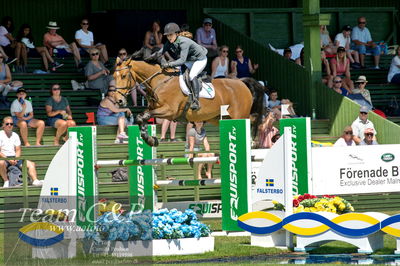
{"points": [[166, 99]]}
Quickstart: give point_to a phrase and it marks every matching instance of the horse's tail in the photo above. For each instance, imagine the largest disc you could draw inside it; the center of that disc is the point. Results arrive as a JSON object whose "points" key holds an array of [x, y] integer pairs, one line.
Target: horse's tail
{"points": [[257, 108]]}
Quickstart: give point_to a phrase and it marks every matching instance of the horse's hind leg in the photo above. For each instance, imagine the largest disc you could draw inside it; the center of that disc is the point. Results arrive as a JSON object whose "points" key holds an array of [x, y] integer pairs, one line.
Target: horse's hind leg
{"points": [[142, 122]]}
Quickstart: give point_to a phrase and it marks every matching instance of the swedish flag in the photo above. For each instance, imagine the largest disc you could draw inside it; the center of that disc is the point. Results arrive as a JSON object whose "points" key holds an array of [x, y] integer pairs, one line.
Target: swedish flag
{"points": [[269, 182], [54, 191]]}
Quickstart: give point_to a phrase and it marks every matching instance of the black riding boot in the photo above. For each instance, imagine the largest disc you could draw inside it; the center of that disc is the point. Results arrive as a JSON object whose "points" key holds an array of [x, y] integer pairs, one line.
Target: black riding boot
{"points": [[195, 105]]}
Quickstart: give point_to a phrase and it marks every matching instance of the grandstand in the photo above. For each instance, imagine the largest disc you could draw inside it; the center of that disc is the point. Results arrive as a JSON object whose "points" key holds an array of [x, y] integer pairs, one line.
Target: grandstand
{"points": [[252, 25]]}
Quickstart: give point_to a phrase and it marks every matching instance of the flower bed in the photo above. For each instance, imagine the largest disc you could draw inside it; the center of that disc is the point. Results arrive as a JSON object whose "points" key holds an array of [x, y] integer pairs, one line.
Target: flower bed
{"points": [[162, 232]]}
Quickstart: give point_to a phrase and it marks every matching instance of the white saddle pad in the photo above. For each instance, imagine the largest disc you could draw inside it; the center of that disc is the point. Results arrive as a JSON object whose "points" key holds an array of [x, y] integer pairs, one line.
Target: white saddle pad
{"points": [[207, 89]]}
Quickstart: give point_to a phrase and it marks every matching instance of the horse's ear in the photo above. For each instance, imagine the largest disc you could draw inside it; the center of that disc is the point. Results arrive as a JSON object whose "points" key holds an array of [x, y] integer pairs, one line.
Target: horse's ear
{"points": [[119, 61]]}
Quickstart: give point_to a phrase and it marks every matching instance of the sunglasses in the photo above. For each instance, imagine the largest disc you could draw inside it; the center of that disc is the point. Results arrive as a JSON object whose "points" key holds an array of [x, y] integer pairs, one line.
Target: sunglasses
{"points": [[239, 51], [85, 23], [360, 82], [122, 54], [225, 51], [9, 124], [56, 89], [338, 81], [348, 132], [363, 113], [369, 134], [94, 54], [362, 22], [207, 24]]}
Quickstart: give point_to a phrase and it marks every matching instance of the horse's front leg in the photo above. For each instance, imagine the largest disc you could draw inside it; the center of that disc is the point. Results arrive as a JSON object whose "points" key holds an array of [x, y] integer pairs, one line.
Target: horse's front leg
{"points": [[141, 119]]}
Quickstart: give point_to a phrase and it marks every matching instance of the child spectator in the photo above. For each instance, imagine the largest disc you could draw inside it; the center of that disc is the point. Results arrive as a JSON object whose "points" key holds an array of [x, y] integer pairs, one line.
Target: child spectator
{"points": [[241, 66], [276, 105], [109, 113], [340, 66], [59, 113], [5, 78], [206, 37], [343, 39], [219, 67], [346, 139], [54, 41], [10, 146], [267, 131], [97, 74], [85, 39], [25, 48], [197, 137], [22, 114], [394, 71]]}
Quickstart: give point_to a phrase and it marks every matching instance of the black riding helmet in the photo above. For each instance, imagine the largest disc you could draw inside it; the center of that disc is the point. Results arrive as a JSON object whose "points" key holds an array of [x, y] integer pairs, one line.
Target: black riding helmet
{"points": [[171, 28]]}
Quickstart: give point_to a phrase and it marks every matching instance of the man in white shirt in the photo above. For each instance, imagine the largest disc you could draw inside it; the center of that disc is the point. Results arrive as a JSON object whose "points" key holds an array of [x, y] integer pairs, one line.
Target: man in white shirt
{"points": [[361, 124], [362, 42], [85, 39], [10, 146], [343, 39]]}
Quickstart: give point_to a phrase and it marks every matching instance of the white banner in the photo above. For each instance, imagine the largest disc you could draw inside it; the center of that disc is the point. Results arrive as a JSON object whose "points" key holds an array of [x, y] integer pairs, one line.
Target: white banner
{"points": [[356, 169]]}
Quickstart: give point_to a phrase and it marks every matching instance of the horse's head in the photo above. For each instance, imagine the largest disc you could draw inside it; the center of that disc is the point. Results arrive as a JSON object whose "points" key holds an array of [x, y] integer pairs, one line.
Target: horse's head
{"points": [[124, 78]]}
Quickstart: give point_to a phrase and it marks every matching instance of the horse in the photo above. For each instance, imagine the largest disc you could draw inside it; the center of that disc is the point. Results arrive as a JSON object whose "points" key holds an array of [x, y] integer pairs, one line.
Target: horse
{"points": [[167, 101]]}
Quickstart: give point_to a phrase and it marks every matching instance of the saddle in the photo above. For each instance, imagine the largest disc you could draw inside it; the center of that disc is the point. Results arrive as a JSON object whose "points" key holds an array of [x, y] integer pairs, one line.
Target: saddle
{"points": [[207, 89]]}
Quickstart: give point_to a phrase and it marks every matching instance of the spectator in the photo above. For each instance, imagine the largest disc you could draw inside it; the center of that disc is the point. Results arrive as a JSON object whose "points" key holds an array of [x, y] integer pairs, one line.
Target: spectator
{"points": [[85, 39], [22, 114], [337, 86], [7, 41], [122, 55], [5, 78], [52, 40], [340, 66], [266, 131], [346, 139], [394, 71], [109, 113], [276, 105], [59, 113], [369, 137], [361, 83], [97, 74], [360, 124], [219, 67], [10, 146], [343, 39], [172, 130], [300, 59], [362, 42], [287, 53], [206, 37], [326, 69], [152, 42], [198, 136], [326, 42], [25, 48], [241, 66]]}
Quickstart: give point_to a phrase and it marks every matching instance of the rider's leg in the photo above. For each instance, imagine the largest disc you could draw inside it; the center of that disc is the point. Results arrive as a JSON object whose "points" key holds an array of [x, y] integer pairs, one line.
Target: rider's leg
{"points": [[195, 70]]}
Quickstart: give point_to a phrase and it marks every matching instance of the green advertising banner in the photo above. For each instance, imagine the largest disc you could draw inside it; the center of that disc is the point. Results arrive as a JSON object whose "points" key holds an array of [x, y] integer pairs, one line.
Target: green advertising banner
{"points": [[301, 149], [235, 161], [86, 190], [141, 178]]}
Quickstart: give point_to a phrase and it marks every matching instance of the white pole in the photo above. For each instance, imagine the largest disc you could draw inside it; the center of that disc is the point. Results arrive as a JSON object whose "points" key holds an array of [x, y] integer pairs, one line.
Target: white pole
{"points": [[287, 151]]}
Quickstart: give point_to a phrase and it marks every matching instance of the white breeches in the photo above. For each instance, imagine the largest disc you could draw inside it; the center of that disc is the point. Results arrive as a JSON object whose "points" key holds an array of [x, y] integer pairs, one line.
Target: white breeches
{"points": [[196, 67]]}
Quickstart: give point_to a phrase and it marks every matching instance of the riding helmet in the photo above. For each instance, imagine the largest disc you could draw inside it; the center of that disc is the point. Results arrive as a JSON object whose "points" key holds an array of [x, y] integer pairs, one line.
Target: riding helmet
{"points": [[171, 28]]}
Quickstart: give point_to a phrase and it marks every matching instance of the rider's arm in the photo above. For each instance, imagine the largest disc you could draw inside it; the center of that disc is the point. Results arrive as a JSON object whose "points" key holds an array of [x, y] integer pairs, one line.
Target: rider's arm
{"points": [[183, 55]]}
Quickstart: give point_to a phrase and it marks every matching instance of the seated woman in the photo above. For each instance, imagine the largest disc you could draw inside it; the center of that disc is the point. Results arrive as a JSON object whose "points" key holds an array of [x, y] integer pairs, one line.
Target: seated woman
{"points": [[219, 67], [241, 66], [59, 113], [97, 74], [152, 42], [326, 41], [198, 136], [22, 114], [394, 71], [340, 66], [6, 84], [109, 113], [346, 139], [25, 48], [267, 131]]}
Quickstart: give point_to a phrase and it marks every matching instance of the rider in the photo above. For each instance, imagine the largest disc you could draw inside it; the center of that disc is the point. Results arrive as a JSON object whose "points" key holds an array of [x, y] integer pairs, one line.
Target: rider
{"points": [[191, 54]]}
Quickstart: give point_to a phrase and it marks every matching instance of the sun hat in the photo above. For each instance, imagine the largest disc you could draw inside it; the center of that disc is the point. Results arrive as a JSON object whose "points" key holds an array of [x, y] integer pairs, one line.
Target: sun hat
{"points": [[368, 130], [52, 25], [361, 79]]}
